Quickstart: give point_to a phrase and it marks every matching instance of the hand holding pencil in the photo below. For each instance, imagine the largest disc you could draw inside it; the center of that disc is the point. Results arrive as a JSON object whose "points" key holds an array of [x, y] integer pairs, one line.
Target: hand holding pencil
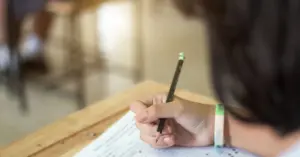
{"points": [[165, 120], [172, 89], [187, 123]]}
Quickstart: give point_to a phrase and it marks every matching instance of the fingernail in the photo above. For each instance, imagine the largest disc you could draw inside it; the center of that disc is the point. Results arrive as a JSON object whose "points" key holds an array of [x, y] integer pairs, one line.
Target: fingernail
{"points": [[170, 129], [167, 140], [167, 130]]}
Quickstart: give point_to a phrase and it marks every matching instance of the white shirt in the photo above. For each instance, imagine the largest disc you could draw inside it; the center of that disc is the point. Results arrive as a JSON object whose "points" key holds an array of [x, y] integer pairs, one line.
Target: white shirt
{"points": [[294, 151]]}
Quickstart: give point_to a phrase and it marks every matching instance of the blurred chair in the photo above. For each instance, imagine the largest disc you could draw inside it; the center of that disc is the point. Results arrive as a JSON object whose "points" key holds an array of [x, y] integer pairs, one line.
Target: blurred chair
{"points": [[70, 9], [15, 75], [74, 55]]}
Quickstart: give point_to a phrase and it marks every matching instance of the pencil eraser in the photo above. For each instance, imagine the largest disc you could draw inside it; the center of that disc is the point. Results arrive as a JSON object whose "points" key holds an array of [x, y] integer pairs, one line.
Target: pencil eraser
{"points": [[181, 56]]}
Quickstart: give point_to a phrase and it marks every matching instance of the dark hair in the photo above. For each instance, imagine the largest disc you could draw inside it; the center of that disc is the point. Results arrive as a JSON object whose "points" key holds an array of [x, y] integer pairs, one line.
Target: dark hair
{"points": [[255, 57]]}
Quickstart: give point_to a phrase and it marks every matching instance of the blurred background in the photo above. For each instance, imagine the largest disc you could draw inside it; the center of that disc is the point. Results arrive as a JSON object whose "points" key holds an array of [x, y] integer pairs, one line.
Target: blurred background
{"points": [[69, 54]]}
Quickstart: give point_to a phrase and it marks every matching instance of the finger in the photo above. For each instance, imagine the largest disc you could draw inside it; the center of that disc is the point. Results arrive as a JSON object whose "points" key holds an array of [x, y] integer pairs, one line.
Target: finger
{"points": [[162, 98], [169, 127], [137, 107], [151, 130], [147, 129], [158, 99], [169, 140], [153, 113], [162, 141], [148, 101]]}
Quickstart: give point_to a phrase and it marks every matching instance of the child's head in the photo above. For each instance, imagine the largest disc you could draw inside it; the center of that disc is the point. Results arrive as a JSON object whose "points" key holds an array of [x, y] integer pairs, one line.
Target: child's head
{"points": [[255, 57]]}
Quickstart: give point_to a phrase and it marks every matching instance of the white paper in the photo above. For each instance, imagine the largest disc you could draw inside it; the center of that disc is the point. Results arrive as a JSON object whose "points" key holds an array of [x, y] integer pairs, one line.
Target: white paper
{"points": [[123, 140]]}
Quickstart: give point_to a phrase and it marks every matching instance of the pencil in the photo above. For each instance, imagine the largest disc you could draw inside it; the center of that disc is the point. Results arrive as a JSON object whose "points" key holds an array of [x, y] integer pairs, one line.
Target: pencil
{"points": [[172, 89]]}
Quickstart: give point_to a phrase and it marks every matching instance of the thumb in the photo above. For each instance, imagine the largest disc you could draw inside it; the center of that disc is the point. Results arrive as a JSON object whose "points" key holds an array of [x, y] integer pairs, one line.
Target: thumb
{"points": [[154, 112]]}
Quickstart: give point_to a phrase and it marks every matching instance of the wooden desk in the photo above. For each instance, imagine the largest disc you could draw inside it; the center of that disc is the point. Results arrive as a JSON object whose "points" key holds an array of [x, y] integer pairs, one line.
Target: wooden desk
{"points": [[69, 135]]}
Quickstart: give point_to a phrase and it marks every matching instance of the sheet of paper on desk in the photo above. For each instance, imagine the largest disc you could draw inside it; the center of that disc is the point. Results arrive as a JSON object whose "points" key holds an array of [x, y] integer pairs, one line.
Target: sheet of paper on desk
{"points": [[122, 140]]}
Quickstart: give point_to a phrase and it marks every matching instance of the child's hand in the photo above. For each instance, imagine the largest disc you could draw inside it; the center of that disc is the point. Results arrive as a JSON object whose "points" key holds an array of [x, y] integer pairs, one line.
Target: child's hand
{"points": [[188, 124]]}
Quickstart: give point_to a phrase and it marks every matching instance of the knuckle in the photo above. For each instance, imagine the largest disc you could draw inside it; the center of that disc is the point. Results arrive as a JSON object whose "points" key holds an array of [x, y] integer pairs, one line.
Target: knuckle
{"points": [[144, 129], [142, 137], [180, 109], [154, 144], [152, 131], [153, 111], [148, 140], [164, 97]]}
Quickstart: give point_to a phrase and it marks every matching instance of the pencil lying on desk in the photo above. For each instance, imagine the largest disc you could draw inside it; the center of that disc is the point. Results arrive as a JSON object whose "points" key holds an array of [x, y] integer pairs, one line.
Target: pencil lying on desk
{"points": [[172, 89]]}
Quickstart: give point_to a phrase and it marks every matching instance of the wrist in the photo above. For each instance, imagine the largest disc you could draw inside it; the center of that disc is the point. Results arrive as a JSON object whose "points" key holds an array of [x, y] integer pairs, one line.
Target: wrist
{"points": [[227, 135]]}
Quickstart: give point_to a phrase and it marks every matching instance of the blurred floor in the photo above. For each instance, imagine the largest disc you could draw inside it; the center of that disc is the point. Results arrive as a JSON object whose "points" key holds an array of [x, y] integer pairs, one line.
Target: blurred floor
{"points": [[48, 106]]}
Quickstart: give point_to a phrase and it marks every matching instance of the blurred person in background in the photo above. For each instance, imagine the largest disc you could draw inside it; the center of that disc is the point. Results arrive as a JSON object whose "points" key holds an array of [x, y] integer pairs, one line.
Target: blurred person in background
{"points": [[32, 48], [255, 63]]}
